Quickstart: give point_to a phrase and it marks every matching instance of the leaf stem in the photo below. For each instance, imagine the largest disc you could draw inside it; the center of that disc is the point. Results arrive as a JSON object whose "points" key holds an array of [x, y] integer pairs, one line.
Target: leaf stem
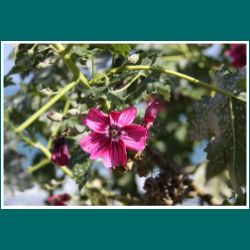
{"points": [[126, 86], [59, 48]]}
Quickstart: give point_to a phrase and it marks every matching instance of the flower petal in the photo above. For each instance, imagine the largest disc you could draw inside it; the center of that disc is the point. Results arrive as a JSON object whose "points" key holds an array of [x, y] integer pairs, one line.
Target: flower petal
{"points": [[134, 137], [123, 118], [94, 144], [116, 155], [96, 120], [151, 112]]}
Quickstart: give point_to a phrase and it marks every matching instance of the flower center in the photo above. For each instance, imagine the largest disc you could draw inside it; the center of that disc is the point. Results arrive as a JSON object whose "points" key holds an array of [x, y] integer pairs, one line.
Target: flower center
{"points": [[114, 132]]}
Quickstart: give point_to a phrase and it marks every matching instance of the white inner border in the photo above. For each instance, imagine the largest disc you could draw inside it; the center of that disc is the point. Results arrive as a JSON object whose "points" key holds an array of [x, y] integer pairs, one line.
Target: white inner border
{"points": [[3, 43]]}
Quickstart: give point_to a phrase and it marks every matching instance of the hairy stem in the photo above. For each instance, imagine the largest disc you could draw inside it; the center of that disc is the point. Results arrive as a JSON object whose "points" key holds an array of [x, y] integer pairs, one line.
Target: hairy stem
{"points": [[38, 166], [66, 107], [129, 84], [71, 65], [45, 151], [179, 75], [44, 108], [37, 145]]}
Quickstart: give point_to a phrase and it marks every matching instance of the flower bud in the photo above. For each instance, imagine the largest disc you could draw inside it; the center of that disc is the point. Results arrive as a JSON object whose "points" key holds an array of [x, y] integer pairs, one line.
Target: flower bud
{"points": [[60, 152], [151, 113], [47, 92], [133, 58], [55, 117], [42, 65], [58, 199], [74, 112], [237, 54]]}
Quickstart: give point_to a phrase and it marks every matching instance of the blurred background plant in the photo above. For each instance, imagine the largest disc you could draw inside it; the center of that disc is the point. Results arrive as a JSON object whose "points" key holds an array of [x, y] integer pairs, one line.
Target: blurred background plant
{"points": [[196, 154]]}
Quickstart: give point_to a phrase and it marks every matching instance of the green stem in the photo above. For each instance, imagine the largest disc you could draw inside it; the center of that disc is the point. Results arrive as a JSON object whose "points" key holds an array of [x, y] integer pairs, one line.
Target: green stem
{"points": [[71, 65], [38, 166], [42, 148], [129, 84], [67, 171], [185, 50], [46, 152], [179, 75], [44, 108], [66, 107], [37, 145]]}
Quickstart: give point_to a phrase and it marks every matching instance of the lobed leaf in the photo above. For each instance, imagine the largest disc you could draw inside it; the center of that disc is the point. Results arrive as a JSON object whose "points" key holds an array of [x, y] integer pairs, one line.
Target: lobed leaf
{"points": [[222, 120]]}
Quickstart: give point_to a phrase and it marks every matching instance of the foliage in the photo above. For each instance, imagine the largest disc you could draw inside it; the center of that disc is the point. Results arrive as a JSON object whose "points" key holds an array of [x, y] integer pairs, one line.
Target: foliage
{"points": [[51, 101], [222, 120]]}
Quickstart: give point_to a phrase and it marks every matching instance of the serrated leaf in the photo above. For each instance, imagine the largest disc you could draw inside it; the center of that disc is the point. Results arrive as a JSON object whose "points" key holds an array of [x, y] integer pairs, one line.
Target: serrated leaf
{"points": [[81, 173], [84, 52], [96, 91], [115, 100], [121, 49], [222, 120]]}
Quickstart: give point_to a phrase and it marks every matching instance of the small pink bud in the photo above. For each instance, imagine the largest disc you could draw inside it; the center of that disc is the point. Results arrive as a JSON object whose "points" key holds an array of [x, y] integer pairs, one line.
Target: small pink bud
{"points": [[237, 53], [60, 152], [151, 113], [58, 199]]}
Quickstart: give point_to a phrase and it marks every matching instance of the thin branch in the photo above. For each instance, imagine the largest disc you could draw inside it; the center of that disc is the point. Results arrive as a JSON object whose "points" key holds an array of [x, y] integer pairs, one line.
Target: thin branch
{"points": [[45, 107], [59, 48], [45, 151], [179, 75], [128, 85], [38, 166], [66, 107]]}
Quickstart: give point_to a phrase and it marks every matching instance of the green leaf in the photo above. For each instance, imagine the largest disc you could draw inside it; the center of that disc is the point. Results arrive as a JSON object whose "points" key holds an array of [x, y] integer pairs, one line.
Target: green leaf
{"points": [[81, 173], [121, 49], [8, 81], [222, 120], [96, 92], [164, 90], [84, 52]]}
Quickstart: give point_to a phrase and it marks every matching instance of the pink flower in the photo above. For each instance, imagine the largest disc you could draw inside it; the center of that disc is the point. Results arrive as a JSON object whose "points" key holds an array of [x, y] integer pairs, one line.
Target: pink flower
{"points": [[60, 152], [58, 199], [111, 135], [237, 53], [151, 113]]}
